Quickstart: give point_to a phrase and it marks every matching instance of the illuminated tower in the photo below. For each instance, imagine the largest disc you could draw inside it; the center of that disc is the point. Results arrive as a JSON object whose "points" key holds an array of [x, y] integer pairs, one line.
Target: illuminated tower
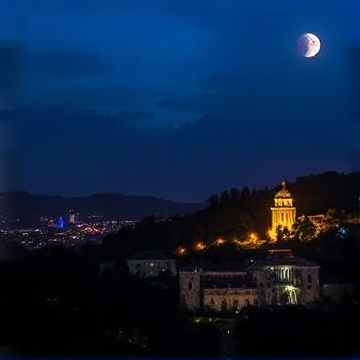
{"points": [[284, 212], [72, 217], [61, 223]]}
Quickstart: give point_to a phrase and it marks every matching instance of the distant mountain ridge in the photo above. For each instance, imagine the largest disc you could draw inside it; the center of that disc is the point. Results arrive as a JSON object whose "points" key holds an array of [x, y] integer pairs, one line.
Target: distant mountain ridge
{"points": [[29, 208]]}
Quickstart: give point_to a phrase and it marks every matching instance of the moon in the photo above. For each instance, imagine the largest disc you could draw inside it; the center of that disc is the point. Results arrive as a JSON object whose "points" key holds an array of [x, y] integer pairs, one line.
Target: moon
{"points": [[308, 45]]}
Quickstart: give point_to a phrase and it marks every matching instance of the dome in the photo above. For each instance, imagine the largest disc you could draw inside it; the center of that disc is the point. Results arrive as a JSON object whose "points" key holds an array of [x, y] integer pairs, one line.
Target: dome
{"points": [[284, 192]]}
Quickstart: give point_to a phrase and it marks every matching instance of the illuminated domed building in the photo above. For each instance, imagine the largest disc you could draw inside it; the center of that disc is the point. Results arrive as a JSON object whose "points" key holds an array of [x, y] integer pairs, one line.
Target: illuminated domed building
{"points": [[283, 213]]}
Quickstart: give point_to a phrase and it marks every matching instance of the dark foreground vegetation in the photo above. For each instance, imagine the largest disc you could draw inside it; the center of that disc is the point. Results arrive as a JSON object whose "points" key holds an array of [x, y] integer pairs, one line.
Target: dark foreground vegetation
{"points": [[298, 332], [59, 304]]}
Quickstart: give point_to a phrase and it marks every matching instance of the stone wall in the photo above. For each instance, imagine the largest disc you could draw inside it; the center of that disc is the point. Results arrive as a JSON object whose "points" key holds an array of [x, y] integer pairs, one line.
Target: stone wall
{"points": [[229, 299]]}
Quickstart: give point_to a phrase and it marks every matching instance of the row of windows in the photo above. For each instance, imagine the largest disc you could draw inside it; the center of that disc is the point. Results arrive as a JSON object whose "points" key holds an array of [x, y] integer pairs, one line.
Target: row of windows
{"points": [[284, 274], [234, 305]]}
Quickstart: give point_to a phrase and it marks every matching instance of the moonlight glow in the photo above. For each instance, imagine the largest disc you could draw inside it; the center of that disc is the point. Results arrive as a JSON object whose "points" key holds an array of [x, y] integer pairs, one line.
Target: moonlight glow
{"points": [[308, 45]]}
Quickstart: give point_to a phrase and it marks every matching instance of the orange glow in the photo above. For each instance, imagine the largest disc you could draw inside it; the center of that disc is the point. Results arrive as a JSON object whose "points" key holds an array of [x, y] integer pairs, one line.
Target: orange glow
{"points": [[219, 241], [236, 242], [180, 250], [200, 246], [253, 237]]}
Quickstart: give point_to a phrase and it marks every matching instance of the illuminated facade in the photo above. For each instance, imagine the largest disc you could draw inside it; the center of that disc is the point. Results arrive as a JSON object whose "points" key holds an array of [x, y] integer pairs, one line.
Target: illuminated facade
{"points": [[61, 223], [280, 279], [283, 213]]}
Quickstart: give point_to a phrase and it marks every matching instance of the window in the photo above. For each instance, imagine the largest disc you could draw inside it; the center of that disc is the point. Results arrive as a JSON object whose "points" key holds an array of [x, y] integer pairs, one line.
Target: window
{"points": [[190, 285], [285, 273], [309, 278]]}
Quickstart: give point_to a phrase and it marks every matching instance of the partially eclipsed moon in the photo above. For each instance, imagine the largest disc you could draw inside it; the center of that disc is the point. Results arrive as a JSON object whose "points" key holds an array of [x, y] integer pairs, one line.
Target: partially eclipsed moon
{"points": [[309, 45]]}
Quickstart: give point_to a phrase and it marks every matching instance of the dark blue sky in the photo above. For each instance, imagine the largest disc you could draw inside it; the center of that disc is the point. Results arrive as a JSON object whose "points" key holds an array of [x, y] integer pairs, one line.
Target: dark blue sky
{"points": [[172, 98]]}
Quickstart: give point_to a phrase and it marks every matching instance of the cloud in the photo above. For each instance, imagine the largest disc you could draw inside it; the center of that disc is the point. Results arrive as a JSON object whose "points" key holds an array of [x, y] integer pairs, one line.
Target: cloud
{"points": [[189, 104], [219, 79], [63, 62], [354, 75], [9, 75]]}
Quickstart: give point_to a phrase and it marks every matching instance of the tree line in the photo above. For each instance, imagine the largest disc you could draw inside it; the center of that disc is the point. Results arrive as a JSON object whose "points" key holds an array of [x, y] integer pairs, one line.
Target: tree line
{"points": [[235, 213]]}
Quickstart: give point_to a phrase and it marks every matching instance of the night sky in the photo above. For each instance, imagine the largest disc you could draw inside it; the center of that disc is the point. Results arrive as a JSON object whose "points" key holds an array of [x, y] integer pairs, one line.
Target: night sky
{"points": [[173, 98]]}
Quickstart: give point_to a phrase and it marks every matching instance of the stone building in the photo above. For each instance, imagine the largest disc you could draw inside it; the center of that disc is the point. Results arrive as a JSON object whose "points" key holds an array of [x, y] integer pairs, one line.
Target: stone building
{"points": [[224, 287], [283, 213], [282, 278], [279, 279], [148, 264]]}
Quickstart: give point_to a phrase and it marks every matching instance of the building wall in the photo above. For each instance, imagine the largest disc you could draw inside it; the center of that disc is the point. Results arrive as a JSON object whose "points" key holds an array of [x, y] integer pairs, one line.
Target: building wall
{"points": [[190, 290], [229, 299], [282, 216], [273, 281], [151, 268], [274, 285], [310, 287]]}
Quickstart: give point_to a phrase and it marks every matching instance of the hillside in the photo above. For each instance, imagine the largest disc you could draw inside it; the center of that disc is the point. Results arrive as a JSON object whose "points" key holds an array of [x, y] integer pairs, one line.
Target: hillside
{"points": [[28, 208], [235, 213]]}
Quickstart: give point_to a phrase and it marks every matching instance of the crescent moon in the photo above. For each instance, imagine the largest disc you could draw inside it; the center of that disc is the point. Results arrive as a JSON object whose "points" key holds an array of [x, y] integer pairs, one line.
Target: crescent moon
{"points": [[308, 45]]}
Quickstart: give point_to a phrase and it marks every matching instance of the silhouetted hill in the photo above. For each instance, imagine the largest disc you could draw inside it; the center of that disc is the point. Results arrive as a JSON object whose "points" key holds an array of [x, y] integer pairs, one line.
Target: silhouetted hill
{"points": [[28, 208]]}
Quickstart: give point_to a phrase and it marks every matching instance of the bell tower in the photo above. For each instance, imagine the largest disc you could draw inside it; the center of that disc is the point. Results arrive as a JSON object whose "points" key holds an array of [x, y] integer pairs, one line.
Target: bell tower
{"points": [[283, 213]]}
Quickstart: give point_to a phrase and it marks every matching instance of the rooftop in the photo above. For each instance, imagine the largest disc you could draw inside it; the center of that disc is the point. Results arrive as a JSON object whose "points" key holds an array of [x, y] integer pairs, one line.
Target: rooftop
{"points": [[283, 192], [216, 267], [278, 257]]}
